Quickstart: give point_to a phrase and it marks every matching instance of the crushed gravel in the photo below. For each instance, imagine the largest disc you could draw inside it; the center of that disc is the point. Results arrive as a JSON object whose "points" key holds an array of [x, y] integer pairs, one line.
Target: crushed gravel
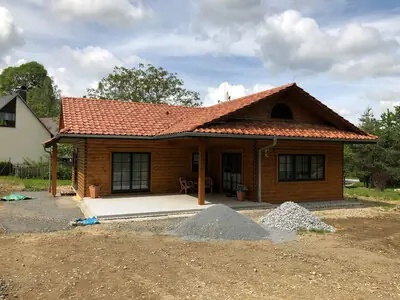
{"points": [[291, 216], [3, 289], [219, 222], [42, 214]]}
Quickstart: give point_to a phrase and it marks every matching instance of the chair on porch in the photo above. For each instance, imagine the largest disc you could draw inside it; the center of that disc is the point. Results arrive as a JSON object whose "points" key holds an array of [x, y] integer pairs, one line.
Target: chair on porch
{"points": [[208, 182], [185, 185]]}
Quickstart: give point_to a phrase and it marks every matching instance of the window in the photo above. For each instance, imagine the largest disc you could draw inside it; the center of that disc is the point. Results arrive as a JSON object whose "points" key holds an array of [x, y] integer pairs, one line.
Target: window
{"points": [[195, 162], [7, 114], [301, 167], [131, 172], [281, 111]]}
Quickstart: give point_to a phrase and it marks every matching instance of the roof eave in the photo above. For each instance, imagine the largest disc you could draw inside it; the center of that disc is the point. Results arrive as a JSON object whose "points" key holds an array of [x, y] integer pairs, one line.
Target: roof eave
{"points": [[209, 135]]}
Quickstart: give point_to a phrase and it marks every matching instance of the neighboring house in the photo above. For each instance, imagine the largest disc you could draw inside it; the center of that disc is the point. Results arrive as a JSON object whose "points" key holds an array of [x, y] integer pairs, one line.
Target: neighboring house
{"points": [[283, 144], [21, 131], [51, 124]]}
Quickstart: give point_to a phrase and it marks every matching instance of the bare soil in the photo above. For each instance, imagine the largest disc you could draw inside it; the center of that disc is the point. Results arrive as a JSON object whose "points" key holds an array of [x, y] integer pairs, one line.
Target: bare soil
{"points": [[136, 260]]}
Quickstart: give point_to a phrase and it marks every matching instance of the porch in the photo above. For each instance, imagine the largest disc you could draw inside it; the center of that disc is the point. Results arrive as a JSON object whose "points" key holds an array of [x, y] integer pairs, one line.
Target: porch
{"points": [[114, 207]]}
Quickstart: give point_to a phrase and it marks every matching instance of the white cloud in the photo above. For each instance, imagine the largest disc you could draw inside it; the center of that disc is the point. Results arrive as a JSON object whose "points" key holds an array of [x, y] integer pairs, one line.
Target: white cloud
{"points": [[291, 41], [386, 99], [186, 44], [235, 91], [111, 12], [93, 59], [10, 33]]}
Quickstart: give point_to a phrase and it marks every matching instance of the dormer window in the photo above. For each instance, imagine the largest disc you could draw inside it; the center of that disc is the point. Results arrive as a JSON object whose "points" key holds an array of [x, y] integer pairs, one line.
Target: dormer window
{"points": [[281, 111]]}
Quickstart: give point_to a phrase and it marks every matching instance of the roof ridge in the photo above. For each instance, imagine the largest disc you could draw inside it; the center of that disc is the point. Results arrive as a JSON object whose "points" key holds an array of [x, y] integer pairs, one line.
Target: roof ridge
{"points": [[259, 95], [256, 94], [129, 101]]}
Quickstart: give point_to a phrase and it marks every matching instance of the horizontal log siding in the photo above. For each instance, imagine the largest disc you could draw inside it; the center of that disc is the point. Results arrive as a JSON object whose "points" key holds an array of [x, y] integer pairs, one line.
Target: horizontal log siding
{"points": [[81, 146], [262, 110], [331, 188], [169, 160]]}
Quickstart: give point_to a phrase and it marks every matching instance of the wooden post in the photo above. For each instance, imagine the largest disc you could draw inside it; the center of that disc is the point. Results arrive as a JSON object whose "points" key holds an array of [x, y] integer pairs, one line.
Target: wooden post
{"points": [[54, 170], [202, 174]]}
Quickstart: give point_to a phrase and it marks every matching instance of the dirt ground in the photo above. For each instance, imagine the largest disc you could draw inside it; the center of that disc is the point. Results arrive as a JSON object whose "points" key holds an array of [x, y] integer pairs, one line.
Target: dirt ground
{"points": [[136, 260]]}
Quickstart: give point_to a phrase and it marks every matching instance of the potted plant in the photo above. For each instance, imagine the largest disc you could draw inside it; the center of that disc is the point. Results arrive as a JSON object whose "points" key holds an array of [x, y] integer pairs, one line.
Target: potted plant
{"points": [[241, 192], [94, 191]]}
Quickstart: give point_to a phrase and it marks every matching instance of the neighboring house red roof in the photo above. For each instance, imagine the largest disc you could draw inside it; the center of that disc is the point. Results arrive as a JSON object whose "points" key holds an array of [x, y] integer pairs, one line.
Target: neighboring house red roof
{"points": [[82, 116]]}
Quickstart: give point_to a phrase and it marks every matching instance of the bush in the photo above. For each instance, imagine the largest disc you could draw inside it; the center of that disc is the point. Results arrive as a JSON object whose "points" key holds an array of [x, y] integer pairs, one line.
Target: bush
{"points": [[5, 168], [64, 171]]}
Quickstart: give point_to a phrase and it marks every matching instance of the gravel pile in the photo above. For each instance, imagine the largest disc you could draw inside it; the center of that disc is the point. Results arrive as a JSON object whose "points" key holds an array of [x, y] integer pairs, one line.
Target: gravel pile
{"points": [[291, 216], [219, 222]]}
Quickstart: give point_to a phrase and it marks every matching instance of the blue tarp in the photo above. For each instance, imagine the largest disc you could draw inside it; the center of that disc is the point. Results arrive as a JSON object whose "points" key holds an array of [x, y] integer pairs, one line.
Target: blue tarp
{"points": [[87, 221]]}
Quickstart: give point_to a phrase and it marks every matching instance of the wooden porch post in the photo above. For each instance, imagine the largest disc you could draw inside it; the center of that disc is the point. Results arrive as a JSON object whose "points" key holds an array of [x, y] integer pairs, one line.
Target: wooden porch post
{"points": [[54, 170], [202, 173]]}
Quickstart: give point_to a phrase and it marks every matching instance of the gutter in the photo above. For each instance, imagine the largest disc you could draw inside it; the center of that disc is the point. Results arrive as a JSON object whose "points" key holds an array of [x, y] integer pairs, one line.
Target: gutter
{"points": [[209, 135], [275, 140]]}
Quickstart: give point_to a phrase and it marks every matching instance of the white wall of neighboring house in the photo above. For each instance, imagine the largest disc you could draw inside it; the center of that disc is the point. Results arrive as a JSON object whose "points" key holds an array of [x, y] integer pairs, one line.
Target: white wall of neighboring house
{"points": [[25, 140]]}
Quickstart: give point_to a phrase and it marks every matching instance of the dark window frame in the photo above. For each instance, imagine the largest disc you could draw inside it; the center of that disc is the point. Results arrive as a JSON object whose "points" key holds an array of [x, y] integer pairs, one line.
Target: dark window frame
{"points": [[10, 108], [195, 165], [293, 167], [131, 190]]}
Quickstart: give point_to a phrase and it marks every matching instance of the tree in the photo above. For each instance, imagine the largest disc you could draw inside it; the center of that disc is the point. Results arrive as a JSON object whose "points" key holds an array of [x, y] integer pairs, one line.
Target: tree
{"points": [[364, 157], [43, 95], [377, 164], [145, 83]]}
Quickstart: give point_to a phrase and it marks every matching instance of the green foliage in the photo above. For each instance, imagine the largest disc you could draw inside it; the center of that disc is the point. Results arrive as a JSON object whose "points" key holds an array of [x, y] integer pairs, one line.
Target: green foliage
{"points": [[145, 83], [376, 164], [65, 150], [387, 194], [29, 184], [5, 168], [43, 95]]}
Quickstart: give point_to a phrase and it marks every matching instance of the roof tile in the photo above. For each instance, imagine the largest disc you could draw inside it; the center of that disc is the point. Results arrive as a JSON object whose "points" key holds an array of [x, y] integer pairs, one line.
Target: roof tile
{"points": [[124, 118]]}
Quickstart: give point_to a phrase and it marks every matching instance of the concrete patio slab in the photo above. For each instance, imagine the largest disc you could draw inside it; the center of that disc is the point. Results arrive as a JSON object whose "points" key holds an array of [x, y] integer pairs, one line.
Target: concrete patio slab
{"points": [[156, 205]]}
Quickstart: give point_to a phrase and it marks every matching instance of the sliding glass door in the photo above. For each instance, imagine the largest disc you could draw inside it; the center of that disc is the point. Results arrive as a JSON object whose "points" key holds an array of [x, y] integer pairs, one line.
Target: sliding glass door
{"points": [[130, 172]]}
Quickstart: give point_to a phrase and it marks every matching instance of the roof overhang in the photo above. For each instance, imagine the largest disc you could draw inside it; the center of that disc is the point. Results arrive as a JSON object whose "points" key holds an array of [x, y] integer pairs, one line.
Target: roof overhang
{"points": [[71, 138]]}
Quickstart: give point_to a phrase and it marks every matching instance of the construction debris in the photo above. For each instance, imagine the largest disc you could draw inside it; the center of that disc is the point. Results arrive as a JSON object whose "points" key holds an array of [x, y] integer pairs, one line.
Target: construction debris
{"points": [[293, 217], [219, 222]]}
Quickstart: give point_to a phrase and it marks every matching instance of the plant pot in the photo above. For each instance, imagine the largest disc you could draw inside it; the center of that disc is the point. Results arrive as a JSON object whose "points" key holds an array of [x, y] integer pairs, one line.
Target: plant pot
{"points": [[94, 191], [241, 196]]}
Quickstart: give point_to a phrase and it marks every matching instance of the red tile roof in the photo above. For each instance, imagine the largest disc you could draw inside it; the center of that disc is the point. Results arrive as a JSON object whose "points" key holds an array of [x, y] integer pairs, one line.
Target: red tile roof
{"points": [[114, 117], [283, 129], [84, 116]]}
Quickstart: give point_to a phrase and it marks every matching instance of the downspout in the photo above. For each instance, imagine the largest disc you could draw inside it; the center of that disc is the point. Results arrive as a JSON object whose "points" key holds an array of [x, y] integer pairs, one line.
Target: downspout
{"points": [[275, 140], [49, 152]]}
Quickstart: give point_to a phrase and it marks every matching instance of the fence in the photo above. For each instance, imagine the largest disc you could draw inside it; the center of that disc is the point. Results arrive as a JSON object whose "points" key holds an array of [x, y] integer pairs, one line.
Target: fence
{"points": [[38, 172], [24, 171]]}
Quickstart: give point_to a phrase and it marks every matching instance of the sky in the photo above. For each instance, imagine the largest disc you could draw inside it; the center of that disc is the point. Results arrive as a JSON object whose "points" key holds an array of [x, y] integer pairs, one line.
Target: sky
{"points": [[346, 53]]}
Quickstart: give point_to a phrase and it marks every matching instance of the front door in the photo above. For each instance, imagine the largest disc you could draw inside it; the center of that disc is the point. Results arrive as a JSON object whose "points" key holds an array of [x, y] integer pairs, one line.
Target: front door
{"points": [[130, 172], [231, 171]]}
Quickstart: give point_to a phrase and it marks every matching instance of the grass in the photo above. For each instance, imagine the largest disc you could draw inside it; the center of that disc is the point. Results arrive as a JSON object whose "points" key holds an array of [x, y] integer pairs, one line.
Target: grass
{"points": [[29, 184], [387, 194]]}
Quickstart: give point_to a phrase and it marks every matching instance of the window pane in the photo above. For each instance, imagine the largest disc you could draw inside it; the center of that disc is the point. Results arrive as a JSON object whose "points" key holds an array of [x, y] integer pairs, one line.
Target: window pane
{"points": [[302, 167], [285, 167], [317, 167], [117, 157]]}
